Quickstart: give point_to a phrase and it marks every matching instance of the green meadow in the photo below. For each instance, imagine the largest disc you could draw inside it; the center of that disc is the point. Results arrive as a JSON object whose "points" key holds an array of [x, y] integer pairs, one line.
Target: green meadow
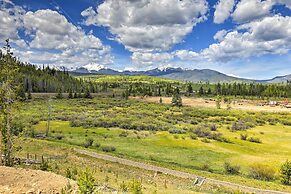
{"points": [[197, 140]]}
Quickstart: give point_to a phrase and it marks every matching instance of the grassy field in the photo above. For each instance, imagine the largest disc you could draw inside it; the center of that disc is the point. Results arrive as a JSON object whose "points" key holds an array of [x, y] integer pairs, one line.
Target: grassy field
{"points": [[163, 135], [123, 79]]}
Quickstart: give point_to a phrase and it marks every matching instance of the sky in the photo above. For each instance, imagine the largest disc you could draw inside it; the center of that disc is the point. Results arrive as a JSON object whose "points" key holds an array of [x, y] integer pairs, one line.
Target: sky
{"points": [[244, 38]]}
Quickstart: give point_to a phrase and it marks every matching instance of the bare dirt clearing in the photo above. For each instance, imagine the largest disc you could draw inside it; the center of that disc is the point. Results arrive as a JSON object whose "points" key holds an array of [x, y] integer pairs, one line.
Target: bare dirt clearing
{"points": [[18, 180], [200, 102]]}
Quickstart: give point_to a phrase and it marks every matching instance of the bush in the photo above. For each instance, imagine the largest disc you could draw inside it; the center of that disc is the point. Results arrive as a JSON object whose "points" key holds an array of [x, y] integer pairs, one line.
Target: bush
{"points": [[123, 134], [86, 182], [88, 143], [136, 187], [44, 164], [213, 127], [206, 167], [231, 169], [177, 131], [255, 140], [262, 172], [240, 125], [205, 140], [193, 136], [244, 137], [200, 132], [97, 145], [285, 173], [108, 148]]}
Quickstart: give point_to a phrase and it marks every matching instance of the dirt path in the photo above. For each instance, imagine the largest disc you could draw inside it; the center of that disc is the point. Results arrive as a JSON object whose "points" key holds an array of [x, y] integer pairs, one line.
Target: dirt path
{"points": [[200, 102], [175, 172], [19, 180]]}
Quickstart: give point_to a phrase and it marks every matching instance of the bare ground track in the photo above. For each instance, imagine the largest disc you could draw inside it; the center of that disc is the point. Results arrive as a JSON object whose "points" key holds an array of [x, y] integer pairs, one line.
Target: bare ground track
{"points": [[196, 179]]}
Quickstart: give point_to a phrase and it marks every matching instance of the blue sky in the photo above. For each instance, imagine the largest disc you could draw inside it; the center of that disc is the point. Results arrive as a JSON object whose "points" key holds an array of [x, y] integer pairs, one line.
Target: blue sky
{"points": [[246, 38]]}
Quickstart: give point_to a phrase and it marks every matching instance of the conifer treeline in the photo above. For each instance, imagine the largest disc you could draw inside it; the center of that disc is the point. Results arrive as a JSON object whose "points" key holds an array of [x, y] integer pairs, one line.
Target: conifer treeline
{"points": [[50, 80]]}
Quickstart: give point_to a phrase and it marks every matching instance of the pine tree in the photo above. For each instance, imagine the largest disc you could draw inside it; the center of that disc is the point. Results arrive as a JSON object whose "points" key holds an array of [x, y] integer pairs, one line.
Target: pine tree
{"points": [[176, 99], [189, 88], [70, 96], [87, 93], [59, 94], [29, 97], [8, 89], [201, 91]]}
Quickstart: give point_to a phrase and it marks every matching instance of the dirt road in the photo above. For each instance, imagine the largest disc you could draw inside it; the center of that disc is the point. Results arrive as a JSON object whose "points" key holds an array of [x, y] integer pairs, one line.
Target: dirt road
{"points": [[175, 173]]}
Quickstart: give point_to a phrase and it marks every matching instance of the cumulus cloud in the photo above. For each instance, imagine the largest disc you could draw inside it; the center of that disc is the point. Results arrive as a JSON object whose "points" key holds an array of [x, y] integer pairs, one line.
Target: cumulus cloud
{"points": [[248, 10], [141, 58], [271, 35], [223, 9], [187, 55], [148, 25], [10, 20], [50, 38]]}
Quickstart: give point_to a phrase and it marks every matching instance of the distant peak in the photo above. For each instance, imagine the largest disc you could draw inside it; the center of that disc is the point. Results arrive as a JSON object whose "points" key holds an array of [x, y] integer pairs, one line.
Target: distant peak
{"points": [[94, 67]]}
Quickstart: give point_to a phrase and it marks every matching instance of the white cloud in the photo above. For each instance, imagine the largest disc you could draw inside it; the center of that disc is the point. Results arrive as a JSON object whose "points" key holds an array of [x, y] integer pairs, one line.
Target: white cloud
{"points": [[52, 39], [10, 20], [271, 35], [248, 10], [187, 55], [148, 25], [223, 10], [140, 58], [287, 3]]}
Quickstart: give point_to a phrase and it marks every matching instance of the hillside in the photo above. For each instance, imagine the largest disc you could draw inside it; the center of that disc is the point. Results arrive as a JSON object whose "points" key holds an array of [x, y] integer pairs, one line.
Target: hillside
{"points": [[204, 75], [195, 75], [279, 79]]}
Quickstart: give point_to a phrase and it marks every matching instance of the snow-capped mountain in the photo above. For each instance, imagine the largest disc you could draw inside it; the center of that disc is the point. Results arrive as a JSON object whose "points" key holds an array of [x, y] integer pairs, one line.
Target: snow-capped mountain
{"points": [[193, 75]]}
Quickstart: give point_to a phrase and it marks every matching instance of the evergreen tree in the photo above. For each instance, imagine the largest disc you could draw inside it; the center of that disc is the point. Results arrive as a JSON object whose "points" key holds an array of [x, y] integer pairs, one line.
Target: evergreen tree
{"points": [[201, 91], [176, 99], [70, 94], [59, 94], [87, 93], [8, 89], [189, 88], [29, 97], [218, 102]]}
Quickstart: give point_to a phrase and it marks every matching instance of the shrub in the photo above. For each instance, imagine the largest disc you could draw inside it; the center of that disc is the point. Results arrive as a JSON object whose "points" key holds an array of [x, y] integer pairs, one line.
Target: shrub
{"points": [[262, 172], [88, 143], [59, 137], [97, 145], [123, 187], [44, 164], [285, 173], [193, 136], [205, 140], [123, 134], [213, 127], [231, 169], [108, 148], [136, 187], [244, 137], [177, 131], [206, 167], [255, 140], [71, 174], [200, 132], [286, 122], [240, 125], [86, 182]]}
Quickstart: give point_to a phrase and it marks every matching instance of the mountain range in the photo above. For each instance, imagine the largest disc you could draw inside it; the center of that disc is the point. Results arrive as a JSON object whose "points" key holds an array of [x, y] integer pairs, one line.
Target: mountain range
{"points": [[192, 75]]}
